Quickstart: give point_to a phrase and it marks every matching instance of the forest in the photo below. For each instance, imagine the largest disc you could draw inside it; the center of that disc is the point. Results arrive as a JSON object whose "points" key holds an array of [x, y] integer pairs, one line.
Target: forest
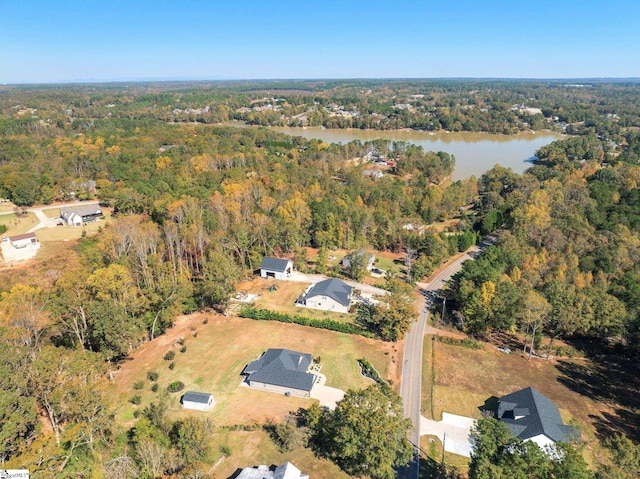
{"points": [[196, 206]]}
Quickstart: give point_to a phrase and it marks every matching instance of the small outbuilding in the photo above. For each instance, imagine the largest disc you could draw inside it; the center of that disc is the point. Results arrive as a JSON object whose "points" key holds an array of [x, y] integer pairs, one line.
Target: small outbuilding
{"points": [[24, 240], [276, 268], [197, 401]]}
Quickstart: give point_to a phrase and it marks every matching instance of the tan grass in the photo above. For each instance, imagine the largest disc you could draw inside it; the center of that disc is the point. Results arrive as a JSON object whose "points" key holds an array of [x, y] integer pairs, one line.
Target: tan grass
{"points": [[18, 224]]}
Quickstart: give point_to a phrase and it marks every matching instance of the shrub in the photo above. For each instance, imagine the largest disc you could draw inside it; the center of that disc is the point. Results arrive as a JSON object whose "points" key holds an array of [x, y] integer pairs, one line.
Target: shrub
{"points": [[330, 324], [175, 387], [169, 356], [152, 376], [136, 413], [154, 388], [172, 365], [181, 341], [225, 450], [137, 399], [138, 385], [205, 321], [183, 349]]}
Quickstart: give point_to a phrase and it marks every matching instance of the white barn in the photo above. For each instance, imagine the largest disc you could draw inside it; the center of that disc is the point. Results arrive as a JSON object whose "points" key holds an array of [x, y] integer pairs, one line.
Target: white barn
{"points": [[276, 268], [197, 401]]}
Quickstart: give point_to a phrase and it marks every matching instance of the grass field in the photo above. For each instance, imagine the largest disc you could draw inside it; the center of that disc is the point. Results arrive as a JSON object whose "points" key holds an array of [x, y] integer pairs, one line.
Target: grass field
{"points": [[250, 448], [216, 353], [215, 358], [66, 233], [283, 298], [18, 224]]}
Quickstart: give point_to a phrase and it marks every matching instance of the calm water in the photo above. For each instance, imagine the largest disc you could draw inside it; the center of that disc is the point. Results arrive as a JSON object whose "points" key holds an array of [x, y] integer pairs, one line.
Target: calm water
{"points": [[475, 152]]}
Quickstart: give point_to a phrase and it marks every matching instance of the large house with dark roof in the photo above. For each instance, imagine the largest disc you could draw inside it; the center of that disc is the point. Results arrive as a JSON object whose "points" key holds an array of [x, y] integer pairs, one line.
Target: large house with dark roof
{"points": [[282, 371], [328, 295], [79, 215], [531, 416], [276, 268]]}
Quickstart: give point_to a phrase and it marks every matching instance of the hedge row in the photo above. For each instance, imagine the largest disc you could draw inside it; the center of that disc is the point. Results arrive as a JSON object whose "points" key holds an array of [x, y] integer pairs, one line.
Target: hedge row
{"points": [[330, 324]]}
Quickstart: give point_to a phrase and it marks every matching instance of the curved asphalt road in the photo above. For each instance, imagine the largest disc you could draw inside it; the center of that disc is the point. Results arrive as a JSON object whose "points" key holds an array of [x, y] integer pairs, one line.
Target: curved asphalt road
{"points": [[410, 387]]}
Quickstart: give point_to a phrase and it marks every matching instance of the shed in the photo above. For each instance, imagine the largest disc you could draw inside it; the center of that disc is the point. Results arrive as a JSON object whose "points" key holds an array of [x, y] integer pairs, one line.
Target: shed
{"points": [[24, 240], [276, 268], [198, 401]]}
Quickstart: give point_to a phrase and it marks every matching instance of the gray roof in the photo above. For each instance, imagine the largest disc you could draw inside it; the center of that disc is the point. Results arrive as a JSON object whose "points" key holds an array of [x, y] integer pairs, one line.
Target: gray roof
{"points": [[346, 261], [83, 210], [202, 398], [274, 264], [541, 416], [333, 288], [282, 367]]}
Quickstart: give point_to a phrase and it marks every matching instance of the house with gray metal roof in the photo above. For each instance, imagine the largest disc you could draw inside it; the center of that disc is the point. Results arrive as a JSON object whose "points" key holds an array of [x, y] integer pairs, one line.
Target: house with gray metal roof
{"points": [[283, 371], [285, 471], [79, 215], [198, 401], [276, 268], [531, 416], [328, 295]]}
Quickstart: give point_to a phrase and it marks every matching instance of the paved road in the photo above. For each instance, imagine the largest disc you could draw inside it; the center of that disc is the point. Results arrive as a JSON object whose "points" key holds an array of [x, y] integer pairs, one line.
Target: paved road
{"points": [[410, 387], [48, 222]]}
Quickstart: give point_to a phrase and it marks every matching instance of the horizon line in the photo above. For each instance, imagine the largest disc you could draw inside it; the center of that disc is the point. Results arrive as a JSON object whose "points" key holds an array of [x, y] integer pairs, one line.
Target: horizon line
{"points": [[307, 79]]}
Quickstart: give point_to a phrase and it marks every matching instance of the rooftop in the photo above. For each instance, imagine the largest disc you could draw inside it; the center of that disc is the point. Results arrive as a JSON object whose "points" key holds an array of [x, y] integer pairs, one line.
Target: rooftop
{"points": [[528, 414], [274, 264], [191, 396], [333, 288], [282, 367]]}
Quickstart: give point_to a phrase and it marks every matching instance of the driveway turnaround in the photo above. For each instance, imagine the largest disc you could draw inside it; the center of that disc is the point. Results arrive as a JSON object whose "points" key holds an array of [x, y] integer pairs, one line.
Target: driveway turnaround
{"points": [[454, 432]]}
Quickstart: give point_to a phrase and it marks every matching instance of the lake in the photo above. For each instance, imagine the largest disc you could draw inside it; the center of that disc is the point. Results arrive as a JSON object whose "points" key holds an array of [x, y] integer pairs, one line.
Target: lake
{"points": [[475, 153]]}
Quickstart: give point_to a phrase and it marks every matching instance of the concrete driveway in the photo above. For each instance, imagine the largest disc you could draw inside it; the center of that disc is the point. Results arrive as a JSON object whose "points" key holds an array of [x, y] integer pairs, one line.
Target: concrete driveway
{"points": [[454, 432], [326, 396]]}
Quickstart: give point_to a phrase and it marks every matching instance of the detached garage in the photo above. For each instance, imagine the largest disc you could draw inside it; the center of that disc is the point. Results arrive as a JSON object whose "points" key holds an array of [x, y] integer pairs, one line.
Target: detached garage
{"points": [[276, 268], [197, 401]]}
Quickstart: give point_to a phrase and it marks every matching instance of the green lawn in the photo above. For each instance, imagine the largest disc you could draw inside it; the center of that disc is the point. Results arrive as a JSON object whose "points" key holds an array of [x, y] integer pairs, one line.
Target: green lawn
{"points": [[18, 225], [215, 355]]}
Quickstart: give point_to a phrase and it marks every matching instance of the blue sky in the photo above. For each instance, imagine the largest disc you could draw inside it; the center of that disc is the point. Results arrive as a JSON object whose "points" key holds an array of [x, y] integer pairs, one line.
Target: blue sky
{"points": [[94, 40]]}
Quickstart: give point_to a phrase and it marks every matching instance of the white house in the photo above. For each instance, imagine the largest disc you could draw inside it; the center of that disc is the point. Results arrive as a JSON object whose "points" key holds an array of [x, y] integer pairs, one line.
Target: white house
{"points": [[197, 401], [24, 240], [276, 268], [79, 215], [328, 295], [533, 417], [285, 471]]}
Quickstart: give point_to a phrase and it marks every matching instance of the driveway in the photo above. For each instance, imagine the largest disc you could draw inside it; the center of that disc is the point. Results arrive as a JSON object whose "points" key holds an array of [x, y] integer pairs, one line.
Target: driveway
{"points": [[454, 432], [366, 289], [327, 396]]}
